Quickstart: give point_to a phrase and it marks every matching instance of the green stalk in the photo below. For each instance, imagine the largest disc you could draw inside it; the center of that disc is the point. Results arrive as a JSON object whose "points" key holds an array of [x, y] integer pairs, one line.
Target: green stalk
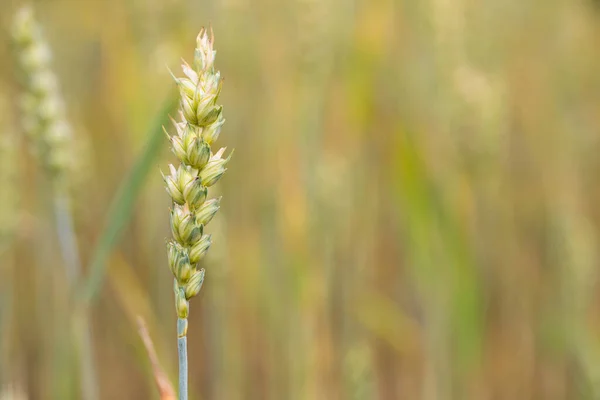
{"points": [[70, 254], [183, 362], [123, 203]]}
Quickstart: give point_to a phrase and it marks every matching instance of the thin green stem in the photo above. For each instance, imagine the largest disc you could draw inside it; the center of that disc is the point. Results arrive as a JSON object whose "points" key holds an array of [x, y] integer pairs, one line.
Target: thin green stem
{"points": [[183, 362], [66, 237], [70, 254]]}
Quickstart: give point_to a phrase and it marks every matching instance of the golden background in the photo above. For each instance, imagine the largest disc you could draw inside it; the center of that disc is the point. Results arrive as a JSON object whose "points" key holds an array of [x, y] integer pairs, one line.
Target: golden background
{"points": [[412, 210]]}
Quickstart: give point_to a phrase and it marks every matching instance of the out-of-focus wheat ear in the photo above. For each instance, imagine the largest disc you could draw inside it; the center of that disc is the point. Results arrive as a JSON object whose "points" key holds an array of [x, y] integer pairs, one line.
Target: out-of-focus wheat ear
{"points": [[43, 109]]}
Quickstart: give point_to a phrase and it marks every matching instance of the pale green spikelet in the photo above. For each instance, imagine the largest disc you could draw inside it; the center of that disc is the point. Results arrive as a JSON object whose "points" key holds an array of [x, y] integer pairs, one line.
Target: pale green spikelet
{"points": [[200, 168], [194, 285]]}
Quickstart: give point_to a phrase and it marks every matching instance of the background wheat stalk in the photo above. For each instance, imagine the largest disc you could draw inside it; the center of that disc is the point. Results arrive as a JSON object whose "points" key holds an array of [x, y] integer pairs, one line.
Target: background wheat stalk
{"points": [[200, 168], [45, 122]]}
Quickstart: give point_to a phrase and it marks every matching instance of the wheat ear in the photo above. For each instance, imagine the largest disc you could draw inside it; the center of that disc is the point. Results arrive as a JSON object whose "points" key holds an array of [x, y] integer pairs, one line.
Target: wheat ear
{"points": [[199, 168]]}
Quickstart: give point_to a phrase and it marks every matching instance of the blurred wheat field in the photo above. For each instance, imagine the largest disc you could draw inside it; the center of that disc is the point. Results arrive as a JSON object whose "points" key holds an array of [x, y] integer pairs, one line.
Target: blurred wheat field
{"points": [[412, 210]]}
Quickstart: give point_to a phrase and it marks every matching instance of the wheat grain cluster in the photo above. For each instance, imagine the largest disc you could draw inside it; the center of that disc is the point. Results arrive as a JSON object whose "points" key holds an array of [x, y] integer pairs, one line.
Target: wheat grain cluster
{"points": [[199, 169]]}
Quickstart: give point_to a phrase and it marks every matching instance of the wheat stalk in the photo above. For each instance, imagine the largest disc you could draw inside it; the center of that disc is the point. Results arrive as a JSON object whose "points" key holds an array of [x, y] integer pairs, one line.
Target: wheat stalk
{"points": [[45, 122], [199, 168]]}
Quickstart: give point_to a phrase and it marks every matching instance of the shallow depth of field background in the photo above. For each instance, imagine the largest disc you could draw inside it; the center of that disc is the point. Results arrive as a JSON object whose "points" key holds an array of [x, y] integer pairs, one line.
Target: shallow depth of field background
{"points": [[412, 210]]}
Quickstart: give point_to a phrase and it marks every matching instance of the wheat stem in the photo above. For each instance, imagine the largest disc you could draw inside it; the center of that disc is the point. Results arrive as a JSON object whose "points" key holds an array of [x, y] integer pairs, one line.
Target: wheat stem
{"points": [[72, 262], [66, 237], [183, 362]]}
